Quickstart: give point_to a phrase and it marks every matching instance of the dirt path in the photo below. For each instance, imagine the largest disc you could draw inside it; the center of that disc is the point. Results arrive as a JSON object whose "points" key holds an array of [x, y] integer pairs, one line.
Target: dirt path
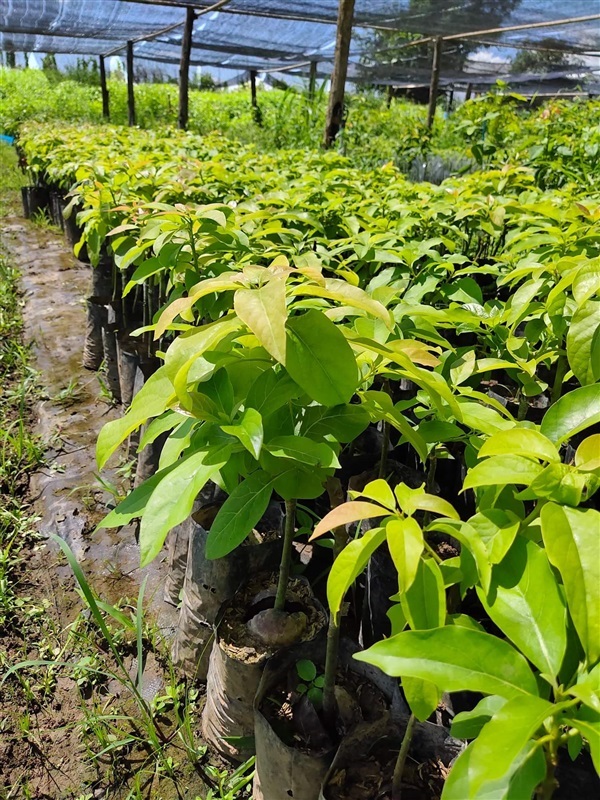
{"points": [[67, 495], [69, 501]]}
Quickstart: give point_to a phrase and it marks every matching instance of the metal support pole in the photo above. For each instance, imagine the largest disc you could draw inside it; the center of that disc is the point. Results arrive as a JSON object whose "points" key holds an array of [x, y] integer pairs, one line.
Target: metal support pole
{"points": [[130, 94], [104, 89], [335, 109], [312, 80], [184, 69], [469, 92], [435, 78]]}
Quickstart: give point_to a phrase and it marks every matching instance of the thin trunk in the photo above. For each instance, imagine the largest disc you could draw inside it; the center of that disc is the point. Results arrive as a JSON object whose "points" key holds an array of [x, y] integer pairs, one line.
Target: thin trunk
{"points": [[401, 760], [562, 367], [286, 555]]}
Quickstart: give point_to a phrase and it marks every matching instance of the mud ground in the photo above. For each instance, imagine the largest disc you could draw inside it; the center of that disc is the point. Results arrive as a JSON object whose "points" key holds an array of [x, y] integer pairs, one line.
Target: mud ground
{"points": [[68, 500]]}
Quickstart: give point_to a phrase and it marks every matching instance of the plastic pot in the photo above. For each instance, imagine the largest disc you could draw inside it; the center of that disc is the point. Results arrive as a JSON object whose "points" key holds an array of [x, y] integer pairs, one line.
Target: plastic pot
{"points": [[93, 347], [235, 670], [208, 584], [101, 287], [56, 207], [109, 339], [286, 771], [35, 199]]}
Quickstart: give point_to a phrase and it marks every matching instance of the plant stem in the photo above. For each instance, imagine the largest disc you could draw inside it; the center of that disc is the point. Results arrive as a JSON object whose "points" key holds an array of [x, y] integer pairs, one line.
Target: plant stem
{"points": [[401, 760], [286, 555], [562, 366], [331, 661], [385, 445], [549, 785]]}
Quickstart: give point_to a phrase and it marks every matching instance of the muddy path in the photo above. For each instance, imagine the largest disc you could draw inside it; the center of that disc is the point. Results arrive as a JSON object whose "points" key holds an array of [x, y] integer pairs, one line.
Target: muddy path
{"points": [[66, 494]]}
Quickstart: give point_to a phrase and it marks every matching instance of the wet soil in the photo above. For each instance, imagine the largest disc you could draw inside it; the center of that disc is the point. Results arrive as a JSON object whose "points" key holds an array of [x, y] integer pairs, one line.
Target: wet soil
{"points": [[237, 638], [370, 777], [68, 500], [66, 493]]}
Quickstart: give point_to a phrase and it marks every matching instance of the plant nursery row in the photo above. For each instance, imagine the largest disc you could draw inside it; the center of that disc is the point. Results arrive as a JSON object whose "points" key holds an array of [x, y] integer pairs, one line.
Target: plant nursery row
{"points": [[367, 435]]}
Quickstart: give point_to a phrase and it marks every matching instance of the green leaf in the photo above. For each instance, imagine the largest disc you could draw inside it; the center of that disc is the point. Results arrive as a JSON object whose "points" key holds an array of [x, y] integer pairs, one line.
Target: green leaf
{"points": [[587, 722], [497, 530], [151, 400], [300, 448], [525, 772], [520, 442], [348, 295], [306, 670], [379, 491], [573, 547], [587, 455], [271, 390], [227, 281], [134, 505], [344, 422], [558, 482], [525, 602], [164, 423], [422, 697], [574, 412], [349, 564], [587, 281], [468, 724], [424, 602], [397, 619], [502, 470], [238, 515], [173, 498], [580, 335], [411, 500], [189, 347], [455, 659], [320, 359], [264, 311], [587, 688], [405, 542], [249, 430]]}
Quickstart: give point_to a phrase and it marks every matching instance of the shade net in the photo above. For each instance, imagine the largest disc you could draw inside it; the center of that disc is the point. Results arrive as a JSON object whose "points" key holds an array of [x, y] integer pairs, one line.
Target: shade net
{"points": [[267, 35]]}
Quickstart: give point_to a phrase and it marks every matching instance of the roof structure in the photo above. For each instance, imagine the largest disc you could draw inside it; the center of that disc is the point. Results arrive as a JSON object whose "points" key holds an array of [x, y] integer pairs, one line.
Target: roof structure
{"points": [[279, 35]]}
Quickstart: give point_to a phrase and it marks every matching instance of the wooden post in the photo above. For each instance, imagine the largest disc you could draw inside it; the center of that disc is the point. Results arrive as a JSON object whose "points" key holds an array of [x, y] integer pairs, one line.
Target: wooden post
{"points": [[451, 100], [435, 79], [11, 60], [469, 92], [184, 69], [335, 109], [389, 96], [104, 89], [256, 112], [312, 80], [130, 94]]}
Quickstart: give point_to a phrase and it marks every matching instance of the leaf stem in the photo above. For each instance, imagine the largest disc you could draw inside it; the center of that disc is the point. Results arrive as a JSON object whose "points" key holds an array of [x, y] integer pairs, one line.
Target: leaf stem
{"points": [[286, 555]]}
